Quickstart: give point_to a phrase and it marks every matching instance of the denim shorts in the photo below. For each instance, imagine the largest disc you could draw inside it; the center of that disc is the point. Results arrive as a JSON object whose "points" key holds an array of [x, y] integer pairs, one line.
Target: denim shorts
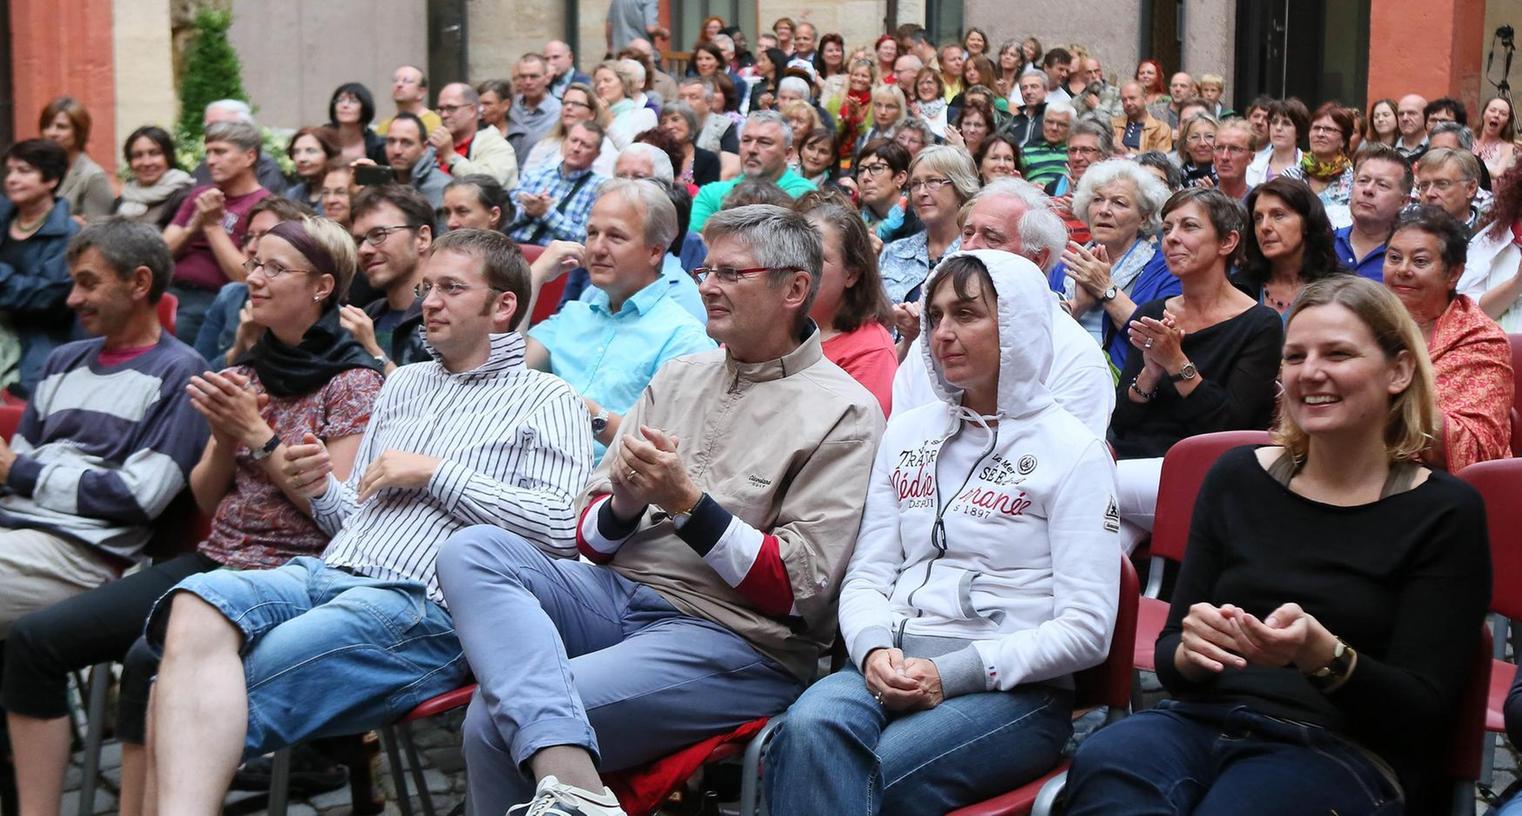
{"points": [[325, 651]]}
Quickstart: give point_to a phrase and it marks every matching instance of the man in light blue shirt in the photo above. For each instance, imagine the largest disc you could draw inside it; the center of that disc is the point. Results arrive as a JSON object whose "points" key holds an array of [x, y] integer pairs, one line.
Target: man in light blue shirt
{"points": [[610, 345]]}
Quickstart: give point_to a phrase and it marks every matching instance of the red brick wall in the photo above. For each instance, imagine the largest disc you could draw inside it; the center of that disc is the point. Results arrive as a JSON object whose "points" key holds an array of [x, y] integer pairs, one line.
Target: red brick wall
{"points": [[65, 48]]}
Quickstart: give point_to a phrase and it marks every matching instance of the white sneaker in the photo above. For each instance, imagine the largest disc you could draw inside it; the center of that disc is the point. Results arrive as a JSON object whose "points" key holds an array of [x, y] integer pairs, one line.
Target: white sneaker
{"points": [[554, 798]]}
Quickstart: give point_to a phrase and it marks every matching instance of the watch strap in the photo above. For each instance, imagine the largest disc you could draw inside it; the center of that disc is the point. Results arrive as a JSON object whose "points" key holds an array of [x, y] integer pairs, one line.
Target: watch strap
{"points": [[264, 451]]}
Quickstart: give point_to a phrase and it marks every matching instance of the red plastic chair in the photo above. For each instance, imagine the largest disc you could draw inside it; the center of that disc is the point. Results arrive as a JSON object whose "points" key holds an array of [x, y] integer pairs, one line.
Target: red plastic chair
{"points": [[1184, 470], [1515, 341], [1108, 684], [549, 296], [10, 419], [169, 309], [1500, 484]]}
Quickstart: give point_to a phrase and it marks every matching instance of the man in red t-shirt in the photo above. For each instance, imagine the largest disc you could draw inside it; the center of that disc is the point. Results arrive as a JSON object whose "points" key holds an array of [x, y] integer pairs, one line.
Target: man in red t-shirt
{"points": [[210, 226]]}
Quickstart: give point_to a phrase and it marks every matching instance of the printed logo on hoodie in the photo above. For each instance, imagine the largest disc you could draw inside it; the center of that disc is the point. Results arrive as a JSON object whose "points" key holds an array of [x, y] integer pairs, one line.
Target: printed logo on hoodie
{"points": [[994, 488]]}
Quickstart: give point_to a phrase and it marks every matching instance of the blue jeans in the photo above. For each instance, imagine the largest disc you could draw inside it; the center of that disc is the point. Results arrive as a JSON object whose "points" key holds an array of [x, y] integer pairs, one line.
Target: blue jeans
{"points": [[326, 652], [219, 325], [569, 653], [1202, 759], [194, 301], [839, 752], [1513, 806]]}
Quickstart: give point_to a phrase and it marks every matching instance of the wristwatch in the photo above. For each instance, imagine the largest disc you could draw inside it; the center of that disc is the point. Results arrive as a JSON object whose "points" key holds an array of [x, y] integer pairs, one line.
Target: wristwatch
{"points": [[1336, 671], [600, 422], [1109, 294], [1188, 372], [679, 520], [262, 453], [383, 360]]}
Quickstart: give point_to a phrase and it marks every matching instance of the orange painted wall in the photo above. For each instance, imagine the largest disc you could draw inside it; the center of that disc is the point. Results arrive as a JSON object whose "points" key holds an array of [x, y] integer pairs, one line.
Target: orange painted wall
{"points": [[1427, 47], [65, 48]]}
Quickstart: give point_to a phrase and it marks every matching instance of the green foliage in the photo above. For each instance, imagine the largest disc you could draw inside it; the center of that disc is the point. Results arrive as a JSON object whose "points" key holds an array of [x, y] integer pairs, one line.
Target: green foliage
{"points": [[212, 72]]}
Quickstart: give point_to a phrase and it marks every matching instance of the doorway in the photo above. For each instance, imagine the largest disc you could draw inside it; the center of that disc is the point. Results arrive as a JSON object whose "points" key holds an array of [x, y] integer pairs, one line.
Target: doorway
{"points": [[1312, 49]]}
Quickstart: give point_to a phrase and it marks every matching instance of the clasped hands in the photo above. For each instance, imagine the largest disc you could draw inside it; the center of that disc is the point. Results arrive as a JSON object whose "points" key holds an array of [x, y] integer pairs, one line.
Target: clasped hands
{"points": [[1215, 638], [903, 683], [647, 470]]}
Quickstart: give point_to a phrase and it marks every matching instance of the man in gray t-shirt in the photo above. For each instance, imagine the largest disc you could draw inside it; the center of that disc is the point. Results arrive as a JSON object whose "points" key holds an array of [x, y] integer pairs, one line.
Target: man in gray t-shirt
{"points": [[630, 19]]}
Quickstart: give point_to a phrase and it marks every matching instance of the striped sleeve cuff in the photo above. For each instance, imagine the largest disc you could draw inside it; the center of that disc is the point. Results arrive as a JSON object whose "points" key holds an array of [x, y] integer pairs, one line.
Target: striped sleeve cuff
{"points": [[600, 532], [747, 559], [24, 474], [448, 483]]}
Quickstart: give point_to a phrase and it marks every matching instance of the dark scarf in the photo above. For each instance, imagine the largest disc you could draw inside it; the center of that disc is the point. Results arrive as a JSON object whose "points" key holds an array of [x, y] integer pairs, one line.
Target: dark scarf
{"points": [[325, 351]]}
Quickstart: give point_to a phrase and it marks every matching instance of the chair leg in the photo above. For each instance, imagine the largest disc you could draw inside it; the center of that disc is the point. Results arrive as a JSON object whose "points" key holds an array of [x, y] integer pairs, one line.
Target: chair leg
{"points": [[1500, 627], [95, 728], [752, 803], [405, 732], [1046, 798], [1463, 799], [398, 773], [280, 782]]}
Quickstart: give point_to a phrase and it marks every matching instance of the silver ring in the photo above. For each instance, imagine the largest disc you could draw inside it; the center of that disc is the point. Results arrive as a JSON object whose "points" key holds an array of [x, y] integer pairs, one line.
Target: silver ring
{"points": [[631, 474], [1148, 344], [879, 697]]}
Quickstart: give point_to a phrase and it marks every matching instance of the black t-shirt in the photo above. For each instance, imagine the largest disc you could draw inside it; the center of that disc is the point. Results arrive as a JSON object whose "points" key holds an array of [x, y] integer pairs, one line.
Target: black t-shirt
{"points": [[1404, 580]]}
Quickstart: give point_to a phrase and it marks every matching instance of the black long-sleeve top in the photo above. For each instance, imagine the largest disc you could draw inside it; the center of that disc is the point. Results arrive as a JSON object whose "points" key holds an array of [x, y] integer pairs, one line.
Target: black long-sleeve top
{"points": [[1404, 580], [1238, 361]]}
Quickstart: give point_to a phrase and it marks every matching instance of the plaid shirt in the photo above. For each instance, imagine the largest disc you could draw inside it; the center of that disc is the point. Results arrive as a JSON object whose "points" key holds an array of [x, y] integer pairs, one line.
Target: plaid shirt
{"points": [[564, 220]]}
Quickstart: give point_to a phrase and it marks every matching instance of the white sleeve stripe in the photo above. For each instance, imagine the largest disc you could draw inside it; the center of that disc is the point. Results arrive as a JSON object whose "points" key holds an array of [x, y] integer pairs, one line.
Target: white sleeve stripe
{"points": [[735, 552], [594, 537]]}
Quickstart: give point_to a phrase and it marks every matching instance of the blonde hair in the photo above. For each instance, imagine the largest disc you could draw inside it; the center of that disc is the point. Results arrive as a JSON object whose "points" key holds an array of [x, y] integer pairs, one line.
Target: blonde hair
{"points": [[621, 71], [339, 245], [797, 106], [1412, 419]]}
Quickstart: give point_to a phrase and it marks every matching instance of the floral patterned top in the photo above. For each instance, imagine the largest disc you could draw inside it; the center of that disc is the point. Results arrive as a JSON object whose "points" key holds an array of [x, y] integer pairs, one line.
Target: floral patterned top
{"points": [[1471, 363], [256, 526]]}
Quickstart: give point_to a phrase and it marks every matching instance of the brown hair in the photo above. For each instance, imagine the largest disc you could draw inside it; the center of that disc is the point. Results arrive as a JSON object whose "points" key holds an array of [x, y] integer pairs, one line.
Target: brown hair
{"points": [[79, 117], [865, 300]]}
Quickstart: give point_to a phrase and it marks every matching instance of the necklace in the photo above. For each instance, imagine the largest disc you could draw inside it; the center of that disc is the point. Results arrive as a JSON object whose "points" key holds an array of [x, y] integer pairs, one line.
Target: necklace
{"points": [[32, 227]]}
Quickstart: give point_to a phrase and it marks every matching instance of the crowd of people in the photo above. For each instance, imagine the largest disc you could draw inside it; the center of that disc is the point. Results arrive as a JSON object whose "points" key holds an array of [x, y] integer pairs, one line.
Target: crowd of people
{"points": [[857, 358]]}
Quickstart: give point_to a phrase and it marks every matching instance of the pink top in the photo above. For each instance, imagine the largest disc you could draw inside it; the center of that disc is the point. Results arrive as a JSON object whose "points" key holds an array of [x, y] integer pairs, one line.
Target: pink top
{"points": [[1471, 363], [867, 354]]}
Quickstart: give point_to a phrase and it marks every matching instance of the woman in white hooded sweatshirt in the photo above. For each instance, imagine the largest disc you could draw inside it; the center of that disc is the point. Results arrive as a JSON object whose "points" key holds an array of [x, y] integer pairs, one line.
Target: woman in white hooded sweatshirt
{"points": [[985, 574]]}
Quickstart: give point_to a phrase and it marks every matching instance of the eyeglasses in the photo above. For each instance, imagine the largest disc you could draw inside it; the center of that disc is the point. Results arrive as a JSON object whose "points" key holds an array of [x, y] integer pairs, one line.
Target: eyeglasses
{"points": [[378, 235], [931, 185], [1231, 150], [1201, 138], [874, 169], [728, 274], [1083, 151], [448, 110], [572, 103], [448, 288], [1441, 185], [272, 269], [1326, 129]]}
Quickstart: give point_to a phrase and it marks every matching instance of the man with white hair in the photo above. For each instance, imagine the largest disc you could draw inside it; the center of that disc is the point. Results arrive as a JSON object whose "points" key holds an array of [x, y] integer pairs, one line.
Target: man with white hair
{"points": [[462, 149], [716, 132], [1013, 216], [563, 70], [535, 111], [905, 70], [764, 144], [644, 161], [266, 169], [609, 345], [1045, 161]]}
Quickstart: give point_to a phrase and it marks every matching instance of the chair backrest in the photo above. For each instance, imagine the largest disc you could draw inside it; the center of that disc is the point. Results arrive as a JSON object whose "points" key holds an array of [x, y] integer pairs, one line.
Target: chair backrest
{"points": [[169, 310], [1467, 739], [1184, 471], [1515, 341], [1109, 683], [549, 294], [1500, 484], [10, 419]]}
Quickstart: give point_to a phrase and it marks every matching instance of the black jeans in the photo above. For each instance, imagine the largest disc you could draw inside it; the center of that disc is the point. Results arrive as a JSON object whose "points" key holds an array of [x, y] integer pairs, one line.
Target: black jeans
{"points": [[94, 627]]}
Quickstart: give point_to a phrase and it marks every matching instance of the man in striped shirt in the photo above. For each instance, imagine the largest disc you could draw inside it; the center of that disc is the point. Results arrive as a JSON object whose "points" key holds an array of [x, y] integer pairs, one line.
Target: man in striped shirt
{"points": [[1044, 162], [718, 524], [256, 660]]}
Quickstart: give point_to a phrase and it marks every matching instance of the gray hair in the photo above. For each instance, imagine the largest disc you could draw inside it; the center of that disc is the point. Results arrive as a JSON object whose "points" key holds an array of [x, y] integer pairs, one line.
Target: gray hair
{"points": [[636, 74], [773, 117], [952, 162], [778, 238], [1151, 193], [1099, 130], [660, 163], [1464, 135], [1059, 106], [657, 213], [707, 84], [1040, 229], [684, 110], [1469, 166], [125, 246], [793, 83], [1035, 72], [921, 126], [242, 135], [720, 39], [236, 107]]}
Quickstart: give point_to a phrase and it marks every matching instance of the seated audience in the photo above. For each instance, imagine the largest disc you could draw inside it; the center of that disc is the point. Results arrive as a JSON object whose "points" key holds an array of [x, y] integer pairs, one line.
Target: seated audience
{"points": [[350, 112], [851, 310], [496, 101], [1203, 360], [1381, 188], [882, 170], [1330, 581], [716, 132], [414, 161], [337, 198], [927, 99], [1015, 217], [1328, 166], [1493, 269], [1195, 151], [963, 625], [1135, 130], [464, 149], [941, 180], [709, 597], [534, 110], [1471, 361], [1288, 125], [1450, 179], [1042, 160], [1290, 244], [818, 161], [409, 90], [765, 142], [229, 330], [699, 166], [553, 201], [310, 150], [1159, 164], [475, 201], [393, 229], [999, 157], [609, 346], [1122, 266], [304, 379], [1232, 153], [266, 169], [511, 450], [209, 229], [914, 135], [86, 187], [615, 87], [34, 272], [1090, 143], [579, 105], [156, 178], [889, 113]]}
